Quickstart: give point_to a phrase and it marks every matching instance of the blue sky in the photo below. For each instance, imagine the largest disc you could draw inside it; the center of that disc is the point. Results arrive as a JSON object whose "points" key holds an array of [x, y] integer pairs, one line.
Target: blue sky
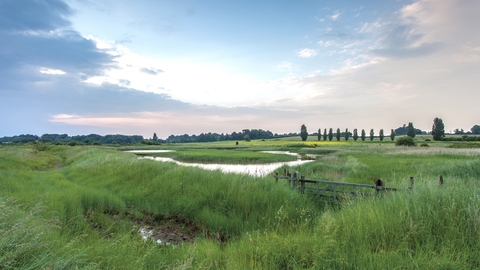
{"points": [[176, 67]]}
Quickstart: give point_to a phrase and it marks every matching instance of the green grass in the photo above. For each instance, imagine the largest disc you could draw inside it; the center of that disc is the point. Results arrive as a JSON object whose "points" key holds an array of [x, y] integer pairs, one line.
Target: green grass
{"points": [[75, 207]]}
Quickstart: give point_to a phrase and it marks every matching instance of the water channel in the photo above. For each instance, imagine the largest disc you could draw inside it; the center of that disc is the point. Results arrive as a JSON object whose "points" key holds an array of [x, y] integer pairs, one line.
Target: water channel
{"points": [[250, 169]]}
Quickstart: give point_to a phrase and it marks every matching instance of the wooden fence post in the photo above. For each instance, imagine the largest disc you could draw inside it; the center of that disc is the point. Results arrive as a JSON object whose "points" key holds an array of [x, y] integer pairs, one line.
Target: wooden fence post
{"points": [[302, 184], [379, 185], [295, 179], [276, 177], [410, 186], [440, 180]]}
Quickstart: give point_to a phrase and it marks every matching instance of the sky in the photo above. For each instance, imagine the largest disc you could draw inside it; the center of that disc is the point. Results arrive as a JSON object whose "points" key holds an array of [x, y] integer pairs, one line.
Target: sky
{"points": [[189, 67]]}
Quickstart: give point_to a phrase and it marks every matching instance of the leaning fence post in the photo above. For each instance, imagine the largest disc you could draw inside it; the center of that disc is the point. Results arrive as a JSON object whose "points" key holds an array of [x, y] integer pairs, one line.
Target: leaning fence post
{"points": [[440, 180], [276, 177], [410, 186]]}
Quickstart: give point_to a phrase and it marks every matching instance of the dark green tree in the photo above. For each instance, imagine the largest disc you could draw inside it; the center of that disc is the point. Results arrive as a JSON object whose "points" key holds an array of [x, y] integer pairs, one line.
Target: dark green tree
{"points": [[330, 134], [347, 134], [319, 135], [392, 135], [303, 133], [338, 134], [325, 134], [155, 138], [380, 135], [411, 130], [355, 134], [362, 136], [438, 129], [475, 129], [371, 134]]}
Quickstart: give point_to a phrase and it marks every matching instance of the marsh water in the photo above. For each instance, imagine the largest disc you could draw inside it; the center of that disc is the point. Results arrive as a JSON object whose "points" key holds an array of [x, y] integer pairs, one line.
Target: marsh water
{"points": [[250, 169]]}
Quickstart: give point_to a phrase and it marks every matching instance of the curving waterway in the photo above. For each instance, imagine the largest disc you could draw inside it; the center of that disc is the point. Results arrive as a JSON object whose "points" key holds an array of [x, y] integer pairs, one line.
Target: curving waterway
{"points": [[250, 169]]}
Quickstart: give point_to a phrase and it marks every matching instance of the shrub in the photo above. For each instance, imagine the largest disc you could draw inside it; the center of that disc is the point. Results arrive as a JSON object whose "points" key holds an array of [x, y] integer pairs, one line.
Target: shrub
{"points": [[405, 141], [424, 145], [39, 146]]}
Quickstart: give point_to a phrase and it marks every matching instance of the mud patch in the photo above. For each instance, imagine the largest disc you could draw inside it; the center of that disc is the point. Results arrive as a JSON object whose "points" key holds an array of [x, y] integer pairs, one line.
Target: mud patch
{"points": [[170, 230], [157, 227]]}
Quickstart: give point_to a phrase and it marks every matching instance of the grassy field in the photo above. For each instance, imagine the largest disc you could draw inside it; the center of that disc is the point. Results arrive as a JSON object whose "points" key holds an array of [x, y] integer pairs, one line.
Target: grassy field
{"points": [[81, 207]]}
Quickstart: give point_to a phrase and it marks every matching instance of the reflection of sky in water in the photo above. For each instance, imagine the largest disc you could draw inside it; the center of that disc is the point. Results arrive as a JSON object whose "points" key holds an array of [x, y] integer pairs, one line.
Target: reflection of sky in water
{"points": [[148, 151], [251, 169]]}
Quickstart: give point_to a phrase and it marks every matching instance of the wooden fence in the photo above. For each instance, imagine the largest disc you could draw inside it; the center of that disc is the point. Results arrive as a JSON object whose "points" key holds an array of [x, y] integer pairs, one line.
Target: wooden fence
{"points": [[335, 190]]}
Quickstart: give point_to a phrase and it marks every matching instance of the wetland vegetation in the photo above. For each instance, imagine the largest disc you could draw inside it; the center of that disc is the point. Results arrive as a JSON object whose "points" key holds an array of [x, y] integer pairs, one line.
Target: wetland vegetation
{"points": [[83, 207]]}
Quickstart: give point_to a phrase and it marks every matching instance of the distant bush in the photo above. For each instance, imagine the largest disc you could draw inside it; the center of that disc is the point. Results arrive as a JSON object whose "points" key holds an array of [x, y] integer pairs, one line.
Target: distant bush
{"points": [[39, 146], [428, 140], [405, 141], [73, 143], [424, 145], [95, 143]]}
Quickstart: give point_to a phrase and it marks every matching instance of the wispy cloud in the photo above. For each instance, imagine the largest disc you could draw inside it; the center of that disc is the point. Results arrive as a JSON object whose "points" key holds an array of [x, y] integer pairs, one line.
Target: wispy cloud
{"points": [[335, 15], [307, 53], [51, 71], [151, 71]]}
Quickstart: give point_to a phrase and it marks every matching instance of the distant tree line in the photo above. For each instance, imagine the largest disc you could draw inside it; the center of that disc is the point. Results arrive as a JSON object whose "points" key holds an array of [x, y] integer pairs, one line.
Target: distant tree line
{"points": [[474, 130], [64, 138], [246, 134]]}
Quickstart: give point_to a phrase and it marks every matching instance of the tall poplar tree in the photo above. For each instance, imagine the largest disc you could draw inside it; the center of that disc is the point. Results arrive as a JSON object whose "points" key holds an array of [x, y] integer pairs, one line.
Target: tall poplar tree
{"points": [[381, 135], [362, 136], [338, 134], [303, 133], [355, 134], [330, 134], [325, 134], [319, 136], [392, 134], [371, 134], [347, 134]]}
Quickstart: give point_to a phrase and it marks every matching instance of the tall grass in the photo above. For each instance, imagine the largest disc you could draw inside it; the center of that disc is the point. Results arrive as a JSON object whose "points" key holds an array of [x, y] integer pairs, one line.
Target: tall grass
{"points": [[80, 214]]}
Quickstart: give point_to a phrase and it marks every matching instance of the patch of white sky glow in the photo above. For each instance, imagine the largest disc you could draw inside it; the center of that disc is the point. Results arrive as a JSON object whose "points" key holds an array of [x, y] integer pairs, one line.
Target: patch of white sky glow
{"points": [[191, 82]]}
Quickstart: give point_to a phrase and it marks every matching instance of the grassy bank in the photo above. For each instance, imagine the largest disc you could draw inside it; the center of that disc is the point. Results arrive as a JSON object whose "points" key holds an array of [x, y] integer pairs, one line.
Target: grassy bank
{"points": [[80, 207]]}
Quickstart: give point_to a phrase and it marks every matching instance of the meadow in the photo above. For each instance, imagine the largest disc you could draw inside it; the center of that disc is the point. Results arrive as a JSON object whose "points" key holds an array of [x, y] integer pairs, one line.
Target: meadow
{"points": [[81, 207]]}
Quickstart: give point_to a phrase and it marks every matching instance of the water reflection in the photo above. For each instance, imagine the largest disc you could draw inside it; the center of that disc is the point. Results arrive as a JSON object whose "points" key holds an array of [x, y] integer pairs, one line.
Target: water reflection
{"points": [[251, 169], [148, 151]]}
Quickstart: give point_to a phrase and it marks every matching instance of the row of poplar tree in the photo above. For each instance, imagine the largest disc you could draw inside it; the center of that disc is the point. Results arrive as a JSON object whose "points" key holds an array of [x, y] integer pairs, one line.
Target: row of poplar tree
{"points": [[438, 132]]}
